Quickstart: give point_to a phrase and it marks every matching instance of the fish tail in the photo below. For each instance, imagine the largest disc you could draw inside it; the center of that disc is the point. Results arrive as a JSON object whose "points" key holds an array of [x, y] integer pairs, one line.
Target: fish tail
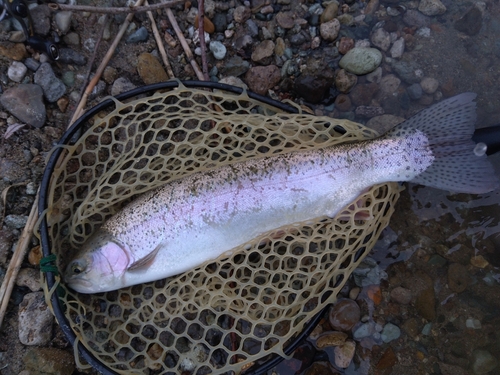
{"points": [[449, 126]]}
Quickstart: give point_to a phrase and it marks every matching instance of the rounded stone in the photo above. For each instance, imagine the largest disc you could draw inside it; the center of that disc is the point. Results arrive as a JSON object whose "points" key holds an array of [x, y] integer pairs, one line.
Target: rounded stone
{"points": [[343, 102], [25, 101], [431, 7], [344, 315], [390, 332], [330, 12], [218, 49], [429, 85], [150, 69], [16, 72], [344, 354], [483, 362], [330, 30], [361, 60], [401, 295], [345, 81], [381, 39]]}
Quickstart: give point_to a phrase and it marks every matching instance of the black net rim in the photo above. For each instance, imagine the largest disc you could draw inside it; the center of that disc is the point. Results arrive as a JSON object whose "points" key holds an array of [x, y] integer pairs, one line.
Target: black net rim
{"points": [[50, 280]]}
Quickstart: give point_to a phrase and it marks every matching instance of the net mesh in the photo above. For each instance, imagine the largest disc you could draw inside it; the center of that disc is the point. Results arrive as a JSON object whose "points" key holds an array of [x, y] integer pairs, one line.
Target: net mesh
{"points": [[226, 315]]}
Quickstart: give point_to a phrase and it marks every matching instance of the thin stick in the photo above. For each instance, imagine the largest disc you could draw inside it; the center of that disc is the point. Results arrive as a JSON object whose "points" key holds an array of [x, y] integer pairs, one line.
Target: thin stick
{"points": [[102, 66], [159, 42], [115, 10], [184, 44], [201, 34]]}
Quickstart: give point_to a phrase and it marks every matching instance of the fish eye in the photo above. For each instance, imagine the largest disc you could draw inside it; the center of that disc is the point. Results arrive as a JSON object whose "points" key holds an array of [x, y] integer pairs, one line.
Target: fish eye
{"points": [[77, 267]]}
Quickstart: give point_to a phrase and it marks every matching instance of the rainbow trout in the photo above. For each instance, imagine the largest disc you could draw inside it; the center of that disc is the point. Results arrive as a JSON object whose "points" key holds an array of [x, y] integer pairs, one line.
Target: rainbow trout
{"points": [[203, 216]]}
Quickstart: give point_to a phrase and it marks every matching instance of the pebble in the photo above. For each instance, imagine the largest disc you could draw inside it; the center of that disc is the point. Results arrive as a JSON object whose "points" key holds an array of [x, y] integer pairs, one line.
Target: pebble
{"points": [[17, 71], [414, 18], [220, 22], [263, 52], [311, 87], [252, 28], [473, 323], [49, 361], [361, 60], [458, 278], [429, 85], [425, 304], [330, 12], [35, 320], [285, 20], [344, 315], [241, 14], [398, 48], [371, 111], [218, 49], [431, 7], [390, 332], [331, 339], [329, 31], [69, 56], [140, 35], [63, 21], [13, 51], [235, 66], [345, 81], [343, 104], [381, 39], [262, 78], [414, 91], [29, 277], [233, 81], [25, 101], [345, 44], [471, 22], [407, 71], [40, 16], [399, 294], [17, 37], [478, 260], [32, 64], [35, 255], [364, 330], [72, 39], [369, 272], [362, 94], [208, 26], [53, 88], [483, 362], [344, 354], [150, 69], [389, 84]]}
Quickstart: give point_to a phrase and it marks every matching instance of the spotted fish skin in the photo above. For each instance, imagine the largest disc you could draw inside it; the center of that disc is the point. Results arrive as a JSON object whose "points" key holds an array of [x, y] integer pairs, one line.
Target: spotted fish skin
{"points": [[205, 215]]}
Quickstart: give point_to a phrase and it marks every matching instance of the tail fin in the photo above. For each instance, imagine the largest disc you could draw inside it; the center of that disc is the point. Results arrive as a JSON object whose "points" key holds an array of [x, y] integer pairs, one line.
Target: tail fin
{"points": [[449, 126]]}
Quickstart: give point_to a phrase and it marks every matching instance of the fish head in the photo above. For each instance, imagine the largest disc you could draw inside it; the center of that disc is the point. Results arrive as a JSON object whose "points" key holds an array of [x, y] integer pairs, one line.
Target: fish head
{"points": [[98, 267]]}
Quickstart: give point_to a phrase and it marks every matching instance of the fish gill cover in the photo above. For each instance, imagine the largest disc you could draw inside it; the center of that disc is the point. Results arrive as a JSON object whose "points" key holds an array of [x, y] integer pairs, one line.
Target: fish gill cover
{"points": [[226, 315]]}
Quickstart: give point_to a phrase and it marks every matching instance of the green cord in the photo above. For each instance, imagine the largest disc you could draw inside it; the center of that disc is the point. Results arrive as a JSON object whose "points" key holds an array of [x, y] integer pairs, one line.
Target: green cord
{"points": [[47, 264]]}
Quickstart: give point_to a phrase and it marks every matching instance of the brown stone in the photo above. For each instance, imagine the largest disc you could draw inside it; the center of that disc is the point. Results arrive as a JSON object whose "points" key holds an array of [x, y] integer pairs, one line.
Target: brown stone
{"points": [[262, 78], [387, 360], [150, 69], [208, 26], [14, 51], [426, 304], [458, 277]]}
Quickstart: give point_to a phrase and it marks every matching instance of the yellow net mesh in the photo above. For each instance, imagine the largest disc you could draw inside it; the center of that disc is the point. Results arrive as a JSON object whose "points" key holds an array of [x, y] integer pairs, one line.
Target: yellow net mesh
{"points": [[224, 316]]}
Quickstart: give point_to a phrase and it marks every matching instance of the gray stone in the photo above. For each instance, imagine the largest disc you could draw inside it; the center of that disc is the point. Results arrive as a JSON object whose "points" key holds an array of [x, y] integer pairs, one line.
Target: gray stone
{"points": [[218, 49], [122, 84], [329, 31], [407, 71], [30, 278], [49, 361], [389, 84], [431, 7], [414, 91], [17, 71], [63, 21], [361, 60], [252, 28], [53, 88], [471, 22], [241, 14], [32, 64], [69, 56], [483, 362], [140, 35], [15, 221], [381, 39], [263, 52], [390, 332], [399, 294], [368, 272], [235, 66], [35, 320], [25, 101], [41, 19], [413, 17], [398, 48], [429, 85], [72, 39]]}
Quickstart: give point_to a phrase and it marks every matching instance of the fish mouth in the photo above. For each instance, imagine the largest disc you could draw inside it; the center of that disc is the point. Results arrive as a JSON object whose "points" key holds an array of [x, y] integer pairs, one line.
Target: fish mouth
{"points": [[78, 284]]}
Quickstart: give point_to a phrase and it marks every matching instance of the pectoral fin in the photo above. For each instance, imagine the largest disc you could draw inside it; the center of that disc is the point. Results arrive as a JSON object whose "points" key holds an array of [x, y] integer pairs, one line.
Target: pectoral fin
{"points": [[146, 261]]}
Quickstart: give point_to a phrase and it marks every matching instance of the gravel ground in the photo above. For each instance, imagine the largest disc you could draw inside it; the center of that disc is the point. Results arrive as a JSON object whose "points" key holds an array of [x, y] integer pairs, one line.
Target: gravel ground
{"points": [[439, 294]]}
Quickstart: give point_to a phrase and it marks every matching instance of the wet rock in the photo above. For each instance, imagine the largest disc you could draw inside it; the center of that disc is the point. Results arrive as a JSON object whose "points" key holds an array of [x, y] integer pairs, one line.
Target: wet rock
{"points": [[389, 84], [218, 49], [26, 103], [345, 81], [17, 71], [252, 28], [370, 111], [407, 71], [361, 60], [330, 12], [122, 84], [390, 332], [235, 66], [285, 20], [401, 295], [41, 19], [364, 330], [331, 339], [150, 70], [398, 48], [344, 354], [30, 278], [429, 85], [387, 360], [63, 21], [369, 272], [374, 76], [381, 39], [14, 51], [312, 88], [139, 36], [263, 52], [471, 22], [53, 88], [426, 304], [241, 14], [413, 17], [473, 323], [72, 39], [344, 315], [220, 22], [345, 44], [483, 362], [15, 221], [414, 91], [343, 104], [69, 56], [458, 277], [262, 78], [234, 81], [431, 7], [49, 361], [329, 31], [32, 64], [363, 94], [410, 326], [35, 320]]}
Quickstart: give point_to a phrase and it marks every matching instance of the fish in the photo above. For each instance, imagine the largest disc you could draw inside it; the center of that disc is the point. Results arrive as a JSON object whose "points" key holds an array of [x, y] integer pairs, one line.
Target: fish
{"points": [[203, 216]]}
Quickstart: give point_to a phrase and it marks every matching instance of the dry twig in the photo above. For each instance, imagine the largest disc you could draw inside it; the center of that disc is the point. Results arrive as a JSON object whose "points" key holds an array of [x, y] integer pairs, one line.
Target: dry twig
{"points": [[159, 42], [201, 34], [115, 10]]}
